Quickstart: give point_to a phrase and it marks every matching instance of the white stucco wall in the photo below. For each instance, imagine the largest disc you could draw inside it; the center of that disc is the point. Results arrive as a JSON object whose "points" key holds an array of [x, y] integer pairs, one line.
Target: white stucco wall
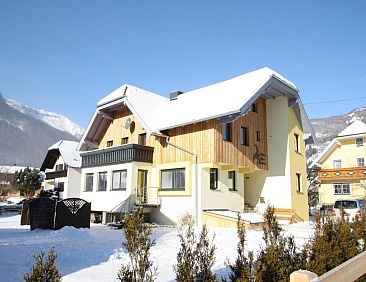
{"points": [[72, 188], [273, 185]]}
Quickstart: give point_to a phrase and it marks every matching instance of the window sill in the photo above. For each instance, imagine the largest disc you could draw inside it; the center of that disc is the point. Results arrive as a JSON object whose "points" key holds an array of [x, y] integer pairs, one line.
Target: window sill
{"points": [[86, 191], [120, 189], [300, 193], [101, 191], [233, 190], [174, 190]]}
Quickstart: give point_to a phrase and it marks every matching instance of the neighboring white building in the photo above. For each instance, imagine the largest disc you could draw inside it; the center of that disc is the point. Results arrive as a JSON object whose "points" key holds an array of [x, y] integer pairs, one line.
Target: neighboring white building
{"points": [[62, 167]]}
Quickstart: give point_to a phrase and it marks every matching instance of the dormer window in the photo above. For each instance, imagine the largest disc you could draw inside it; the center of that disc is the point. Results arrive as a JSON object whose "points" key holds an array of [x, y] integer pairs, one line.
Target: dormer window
{"points": [[359, 142]]}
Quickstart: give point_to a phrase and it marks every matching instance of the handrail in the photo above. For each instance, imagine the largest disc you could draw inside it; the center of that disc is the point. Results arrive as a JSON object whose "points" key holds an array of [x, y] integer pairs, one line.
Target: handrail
{"points": [[147, 196], [347, 271]]}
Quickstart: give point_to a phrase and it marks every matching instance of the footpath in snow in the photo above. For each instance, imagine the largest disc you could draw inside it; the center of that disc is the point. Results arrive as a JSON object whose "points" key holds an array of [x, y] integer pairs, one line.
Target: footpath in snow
{"points": [[95, 254]]}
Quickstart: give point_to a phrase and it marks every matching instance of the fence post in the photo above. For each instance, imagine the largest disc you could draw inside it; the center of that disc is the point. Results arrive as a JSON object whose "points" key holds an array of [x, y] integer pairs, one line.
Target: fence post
{"points": [[303, 276]]}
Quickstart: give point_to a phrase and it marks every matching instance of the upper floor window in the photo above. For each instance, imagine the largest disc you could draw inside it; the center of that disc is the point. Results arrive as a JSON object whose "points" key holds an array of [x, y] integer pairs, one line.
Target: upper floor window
{"points": [[89, 182], [232, 184], [214, 172], [297, 142], [124, 140], [342, 188], [255, 107], [110, 143], [59, 167], [142, 139], [298, 183], [359, 142], [119, 179], [226, 131], [173, 179], [258, 136], [102, 181], [337, 163], [360, 161], [244, 136]]}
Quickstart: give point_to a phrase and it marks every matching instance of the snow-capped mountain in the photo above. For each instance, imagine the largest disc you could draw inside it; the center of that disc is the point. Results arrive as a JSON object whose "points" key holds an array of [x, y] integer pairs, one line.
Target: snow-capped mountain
{"points": [[328, 128], [26, 133], [55, 120]]}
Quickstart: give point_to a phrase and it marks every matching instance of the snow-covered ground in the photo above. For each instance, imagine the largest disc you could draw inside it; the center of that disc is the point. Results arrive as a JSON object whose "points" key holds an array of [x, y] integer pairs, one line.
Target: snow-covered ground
{"points": [[95, 254]]}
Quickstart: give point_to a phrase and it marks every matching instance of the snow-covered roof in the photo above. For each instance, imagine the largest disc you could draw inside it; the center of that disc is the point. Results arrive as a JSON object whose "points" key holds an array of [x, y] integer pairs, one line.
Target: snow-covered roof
{"points": [[234, 96], [358, 127], [67, 150], [355, 129]]}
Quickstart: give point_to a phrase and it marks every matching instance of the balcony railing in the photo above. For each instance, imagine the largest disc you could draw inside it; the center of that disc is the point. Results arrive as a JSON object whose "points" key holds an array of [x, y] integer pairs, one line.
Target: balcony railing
{"points": [[56, 174], [147, 196], [342, 173], [118, 154]]}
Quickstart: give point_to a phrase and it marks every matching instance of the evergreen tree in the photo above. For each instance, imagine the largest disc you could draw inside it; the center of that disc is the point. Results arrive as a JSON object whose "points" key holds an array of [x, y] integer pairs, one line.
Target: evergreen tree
{"points": [[279, 258], [138, 246], [241, 271], [45, 269]]}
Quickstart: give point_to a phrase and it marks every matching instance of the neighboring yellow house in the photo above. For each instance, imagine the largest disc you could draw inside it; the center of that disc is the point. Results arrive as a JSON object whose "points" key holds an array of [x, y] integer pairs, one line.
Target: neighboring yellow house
{"points": [[212, 150], [342, 171]]}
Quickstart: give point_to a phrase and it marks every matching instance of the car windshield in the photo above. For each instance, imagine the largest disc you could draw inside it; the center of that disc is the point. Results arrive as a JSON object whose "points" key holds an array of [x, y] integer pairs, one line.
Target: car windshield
{"points": [[345, 204]]}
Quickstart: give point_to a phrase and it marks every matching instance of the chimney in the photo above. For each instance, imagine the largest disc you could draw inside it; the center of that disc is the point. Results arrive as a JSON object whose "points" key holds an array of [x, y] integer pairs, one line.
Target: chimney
{"points": [[174, 95]]}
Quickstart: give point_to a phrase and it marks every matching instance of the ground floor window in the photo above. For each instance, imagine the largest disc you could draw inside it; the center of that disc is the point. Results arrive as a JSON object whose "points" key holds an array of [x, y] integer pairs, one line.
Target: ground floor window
{"points": [[298, 183], [89, 182], [232, 184], [102, 181], [214, 178], [342, 188], [173, 179], [119, 179]]}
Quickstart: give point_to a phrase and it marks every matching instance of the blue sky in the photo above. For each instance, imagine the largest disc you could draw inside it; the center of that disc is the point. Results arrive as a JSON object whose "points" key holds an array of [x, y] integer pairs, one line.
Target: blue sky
{"points": [[63, 56]]}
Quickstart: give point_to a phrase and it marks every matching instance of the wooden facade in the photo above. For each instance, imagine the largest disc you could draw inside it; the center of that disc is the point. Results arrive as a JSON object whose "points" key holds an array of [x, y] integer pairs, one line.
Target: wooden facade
{"points": [[203, 139]]}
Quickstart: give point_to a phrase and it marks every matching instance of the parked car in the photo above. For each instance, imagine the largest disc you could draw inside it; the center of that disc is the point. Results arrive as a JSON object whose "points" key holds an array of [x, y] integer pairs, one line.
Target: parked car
{"points": [[351, 207]]}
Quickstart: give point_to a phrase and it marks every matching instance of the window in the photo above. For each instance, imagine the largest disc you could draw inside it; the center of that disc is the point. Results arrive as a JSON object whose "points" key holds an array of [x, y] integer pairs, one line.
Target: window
{"points": [[124, 140], [232, 184], [360, 162], [337, 163], [226, 131], [119, 178], [214, 176], [359, 142], [254, 107], [341, 189], [258, 136], [244, 136], [173, 179], [59, 167], [102, 181], [89, 182], [298, 183], [142, 139], [60, 186], [110, 143], [297, 144]]}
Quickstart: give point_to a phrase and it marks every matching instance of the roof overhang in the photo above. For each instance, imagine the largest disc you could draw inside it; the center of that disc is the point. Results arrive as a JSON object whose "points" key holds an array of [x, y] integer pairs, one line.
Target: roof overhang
{"points": [[50, 159]]}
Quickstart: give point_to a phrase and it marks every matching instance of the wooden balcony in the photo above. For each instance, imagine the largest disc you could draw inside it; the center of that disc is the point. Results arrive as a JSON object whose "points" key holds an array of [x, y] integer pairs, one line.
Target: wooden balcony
{"points": [[117, 154], [350, 173], [56, 174]]}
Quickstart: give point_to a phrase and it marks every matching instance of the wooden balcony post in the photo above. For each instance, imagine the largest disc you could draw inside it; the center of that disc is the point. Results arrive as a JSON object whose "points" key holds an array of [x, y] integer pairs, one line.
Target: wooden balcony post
{"points": [[303, 276]]}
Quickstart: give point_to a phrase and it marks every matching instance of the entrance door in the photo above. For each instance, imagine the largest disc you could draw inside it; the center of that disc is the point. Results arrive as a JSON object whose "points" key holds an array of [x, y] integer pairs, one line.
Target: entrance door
{"points": [[142, 186]]}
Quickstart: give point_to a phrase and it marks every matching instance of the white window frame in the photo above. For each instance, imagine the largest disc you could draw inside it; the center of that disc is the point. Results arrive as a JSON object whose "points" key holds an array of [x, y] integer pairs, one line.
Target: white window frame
{"points": [[86, 187], [337, 163], [121, 181], [99, 188], [344, 188], [360, 162]]}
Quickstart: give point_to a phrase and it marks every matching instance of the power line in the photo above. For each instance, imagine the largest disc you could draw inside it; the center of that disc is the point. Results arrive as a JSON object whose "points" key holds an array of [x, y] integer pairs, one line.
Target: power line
{"points": [[335, 101]]}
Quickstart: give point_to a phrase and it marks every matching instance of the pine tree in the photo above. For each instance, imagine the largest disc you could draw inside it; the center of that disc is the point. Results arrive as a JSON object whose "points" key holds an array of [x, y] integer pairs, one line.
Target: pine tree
{"points": [[138, 246], [280, 257], [241, 271], [45, 269]]}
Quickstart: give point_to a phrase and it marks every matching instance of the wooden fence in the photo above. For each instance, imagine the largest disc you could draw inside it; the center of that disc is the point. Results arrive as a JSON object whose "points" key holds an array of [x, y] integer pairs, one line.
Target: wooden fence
{"points": [[346, 272]]}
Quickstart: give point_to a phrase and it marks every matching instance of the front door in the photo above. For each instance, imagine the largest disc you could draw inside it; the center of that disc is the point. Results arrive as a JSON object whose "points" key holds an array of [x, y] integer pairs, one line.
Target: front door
{"points": [[142, 186]]}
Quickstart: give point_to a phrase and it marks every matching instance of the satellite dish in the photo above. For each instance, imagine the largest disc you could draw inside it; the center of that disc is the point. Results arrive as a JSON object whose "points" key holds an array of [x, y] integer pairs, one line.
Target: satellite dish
{"points": [[127, 123]]}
